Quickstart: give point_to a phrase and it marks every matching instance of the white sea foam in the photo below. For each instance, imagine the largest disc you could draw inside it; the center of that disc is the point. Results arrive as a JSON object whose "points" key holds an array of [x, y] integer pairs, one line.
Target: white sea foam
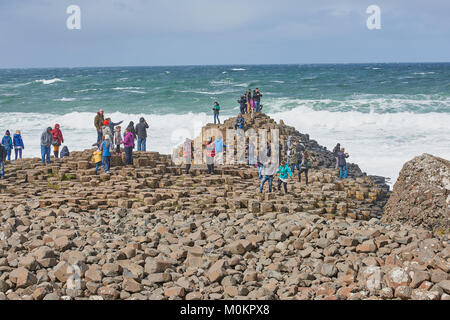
{"points": [[128, 88], [51, 81], [65, 99], [85, 90], [277, 81], [379, 142], [238, 69]]}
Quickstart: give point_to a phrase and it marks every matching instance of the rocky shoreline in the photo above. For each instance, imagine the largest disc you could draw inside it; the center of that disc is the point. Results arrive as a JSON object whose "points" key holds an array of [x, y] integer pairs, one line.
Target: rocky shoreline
{"points": [[151, 232]]}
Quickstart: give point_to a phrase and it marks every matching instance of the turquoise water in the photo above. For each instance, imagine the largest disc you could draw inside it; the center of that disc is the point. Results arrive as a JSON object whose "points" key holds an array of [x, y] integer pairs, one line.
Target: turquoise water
{"points": [[384, 113]]}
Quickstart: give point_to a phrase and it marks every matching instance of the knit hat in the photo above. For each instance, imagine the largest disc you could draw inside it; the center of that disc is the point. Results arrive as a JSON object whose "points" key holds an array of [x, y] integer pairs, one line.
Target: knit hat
{"points": [[106, 123], [7, 132]]}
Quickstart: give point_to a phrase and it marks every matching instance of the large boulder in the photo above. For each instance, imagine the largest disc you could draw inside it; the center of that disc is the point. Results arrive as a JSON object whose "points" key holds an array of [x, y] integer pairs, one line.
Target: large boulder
{"points": [[422, 194]]}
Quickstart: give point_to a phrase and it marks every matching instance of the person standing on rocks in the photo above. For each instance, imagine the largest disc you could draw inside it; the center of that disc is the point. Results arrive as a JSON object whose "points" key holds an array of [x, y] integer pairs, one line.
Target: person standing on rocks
{"points": [[46, 142], [118, 140], [97, 159], [248, 97], [257, 99], [106, 131], [268, 172], [18, 145], [112, 126], [132, 130], [58, 139], [242, 104], [304, 166], [141, 131], [106, 148], [210, 154], [216, 110], [8, 144], [284, 173], [128, 143], [336, 150], [188, 153], [293, 158], [2, 161], [219, 146], [98, 122], [343, 171]]}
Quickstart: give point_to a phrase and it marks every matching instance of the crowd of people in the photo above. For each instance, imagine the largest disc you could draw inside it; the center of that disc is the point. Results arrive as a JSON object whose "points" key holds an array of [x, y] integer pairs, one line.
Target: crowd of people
{"points": [[110, 140], [296, 159], [248, 104]]}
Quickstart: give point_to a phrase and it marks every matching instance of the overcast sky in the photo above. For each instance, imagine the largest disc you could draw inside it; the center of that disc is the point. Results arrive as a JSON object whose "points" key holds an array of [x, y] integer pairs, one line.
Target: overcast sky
{"points": [[33, 33]]}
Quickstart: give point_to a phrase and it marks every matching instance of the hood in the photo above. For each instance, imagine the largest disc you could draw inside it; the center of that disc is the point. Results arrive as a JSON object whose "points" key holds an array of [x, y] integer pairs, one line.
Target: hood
{"points": [[56, 126], [141, 120], [47, 130], [16, 135], [219, 140]]}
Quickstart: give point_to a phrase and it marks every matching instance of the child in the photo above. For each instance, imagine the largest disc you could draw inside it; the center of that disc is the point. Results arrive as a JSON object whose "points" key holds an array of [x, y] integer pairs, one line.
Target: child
{"points": [[97, 159], [118, 140], [18, 144], [8, 144], [285, 173], [2, 161], [57, 140], [106, 148]]}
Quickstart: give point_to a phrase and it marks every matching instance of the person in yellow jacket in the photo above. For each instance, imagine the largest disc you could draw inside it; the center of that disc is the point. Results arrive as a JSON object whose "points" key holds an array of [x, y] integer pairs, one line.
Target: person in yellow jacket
{"points": [[97, 159]]}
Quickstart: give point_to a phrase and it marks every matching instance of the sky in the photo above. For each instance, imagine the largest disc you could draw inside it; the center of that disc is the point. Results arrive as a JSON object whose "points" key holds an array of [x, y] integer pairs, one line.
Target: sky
{"points": [[33, 33]]}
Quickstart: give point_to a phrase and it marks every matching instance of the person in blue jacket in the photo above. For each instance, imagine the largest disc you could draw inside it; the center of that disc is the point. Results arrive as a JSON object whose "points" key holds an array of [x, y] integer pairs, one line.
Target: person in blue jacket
{"points": [[8, 144], [219, 145], [285, 172], [18, 144], [106, 148]]}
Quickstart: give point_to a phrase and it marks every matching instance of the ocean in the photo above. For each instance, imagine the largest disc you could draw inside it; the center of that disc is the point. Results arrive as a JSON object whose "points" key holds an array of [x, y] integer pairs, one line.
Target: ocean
{"points": [[383, 114]]}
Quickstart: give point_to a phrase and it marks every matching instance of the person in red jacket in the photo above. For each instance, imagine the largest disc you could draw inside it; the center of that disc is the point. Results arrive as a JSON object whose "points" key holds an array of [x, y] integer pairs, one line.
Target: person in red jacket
{"points": [[57, 140]]}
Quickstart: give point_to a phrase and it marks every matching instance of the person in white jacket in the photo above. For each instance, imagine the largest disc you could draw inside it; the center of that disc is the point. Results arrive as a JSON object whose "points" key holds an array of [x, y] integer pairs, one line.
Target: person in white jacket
{"points": [[268, 171]]}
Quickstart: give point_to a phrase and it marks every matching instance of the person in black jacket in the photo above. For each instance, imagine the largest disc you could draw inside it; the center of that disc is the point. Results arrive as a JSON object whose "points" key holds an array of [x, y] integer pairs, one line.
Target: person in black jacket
{"points": [[336, 150], [243, 104], [2, 161], [257, 99], [141, 132]]}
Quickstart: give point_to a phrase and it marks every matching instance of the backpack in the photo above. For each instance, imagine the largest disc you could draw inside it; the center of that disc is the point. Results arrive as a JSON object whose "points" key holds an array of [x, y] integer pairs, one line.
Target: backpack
{"points": [[64, 152]]}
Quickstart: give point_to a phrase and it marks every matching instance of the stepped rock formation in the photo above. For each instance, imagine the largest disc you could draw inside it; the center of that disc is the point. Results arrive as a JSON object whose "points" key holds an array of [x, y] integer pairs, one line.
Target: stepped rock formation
{"points": [[151, 232], [422, 194]]}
